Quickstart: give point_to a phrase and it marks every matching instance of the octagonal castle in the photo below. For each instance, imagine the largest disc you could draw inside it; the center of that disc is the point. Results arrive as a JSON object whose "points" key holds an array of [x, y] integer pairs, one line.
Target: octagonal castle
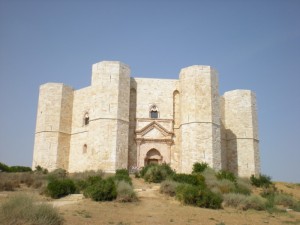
{"points": [[124, 122]]}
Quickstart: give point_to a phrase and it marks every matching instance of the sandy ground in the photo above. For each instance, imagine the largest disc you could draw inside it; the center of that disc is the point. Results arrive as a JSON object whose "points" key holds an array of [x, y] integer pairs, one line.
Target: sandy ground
{"points": [[155, 208]]}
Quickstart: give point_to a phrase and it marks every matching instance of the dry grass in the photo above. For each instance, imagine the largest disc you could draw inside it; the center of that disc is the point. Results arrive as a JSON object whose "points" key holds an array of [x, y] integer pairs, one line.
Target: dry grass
{"points": [[22, 209], [125, 192], [12, 181]]}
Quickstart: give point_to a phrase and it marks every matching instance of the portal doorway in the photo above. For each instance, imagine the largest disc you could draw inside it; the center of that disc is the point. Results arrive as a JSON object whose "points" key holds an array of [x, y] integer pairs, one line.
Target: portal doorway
{"points": [[153, 156]]}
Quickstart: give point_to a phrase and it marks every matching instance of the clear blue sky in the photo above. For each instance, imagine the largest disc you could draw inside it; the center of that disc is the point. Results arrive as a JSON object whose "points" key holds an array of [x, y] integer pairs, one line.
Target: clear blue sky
{"points": [[253, 44]]}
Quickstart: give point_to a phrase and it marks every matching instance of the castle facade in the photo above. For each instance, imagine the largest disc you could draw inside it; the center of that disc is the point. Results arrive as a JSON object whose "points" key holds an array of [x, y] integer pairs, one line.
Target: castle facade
{"points": [[124, 122]]}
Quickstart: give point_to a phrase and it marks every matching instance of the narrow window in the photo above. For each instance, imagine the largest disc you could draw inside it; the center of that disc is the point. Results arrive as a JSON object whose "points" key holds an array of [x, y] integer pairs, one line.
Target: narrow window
{"points": [[154, 112], [86, 119], [84, 149]]}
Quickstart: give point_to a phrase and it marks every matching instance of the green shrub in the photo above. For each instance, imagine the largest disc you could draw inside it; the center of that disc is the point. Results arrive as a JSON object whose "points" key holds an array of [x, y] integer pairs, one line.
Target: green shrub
{"points": [[199, 167], [160, 173], [223, 174], [122, 177], [125, 192], [103, 190], [157, 173], [296, 206], [144, 170], [40, 169], [194, 179], [93, 180], [15, 169], [261, 180], [123, 172], [168, 187], [22, 209], [60, 188], [193, 195], [80, 185], [4, 167]]}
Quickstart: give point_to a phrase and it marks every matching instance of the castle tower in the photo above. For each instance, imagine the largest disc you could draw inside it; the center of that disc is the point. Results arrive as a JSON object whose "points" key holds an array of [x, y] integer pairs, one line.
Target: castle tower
{"points": [[240, 123], [53, 126], [200, 117], [109, 115]]}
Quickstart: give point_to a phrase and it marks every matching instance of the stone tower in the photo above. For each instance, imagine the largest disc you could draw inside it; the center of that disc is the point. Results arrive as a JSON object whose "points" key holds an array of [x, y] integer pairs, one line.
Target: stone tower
{"points": [[239, 119], [200, 117], [53, 126], [103, 142]]}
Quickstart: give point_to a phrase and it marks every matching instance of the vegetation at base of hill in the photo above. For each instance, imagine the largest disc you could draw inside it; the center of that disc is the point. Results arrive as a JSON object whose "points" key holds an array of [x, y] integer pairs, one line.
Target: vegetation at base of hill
{"points": [[198, 196], [210, 189], [261, 181], [12, 181], [199, 167], [23, 209], [117, 187], [58, 188], [13, 169]]}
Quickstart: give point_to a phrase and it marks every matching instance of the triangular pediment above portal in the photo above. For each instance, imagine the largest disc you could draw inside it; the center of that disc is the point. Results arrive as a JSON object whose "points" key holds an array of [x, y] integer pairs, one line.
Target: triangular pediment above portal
{"points": [[154, 133]]}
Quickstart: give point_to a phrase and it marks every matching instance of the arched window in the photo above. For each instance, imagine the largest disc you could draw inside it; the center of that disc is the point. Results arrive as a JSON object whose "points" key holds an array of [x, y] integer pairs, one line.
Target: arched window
{"points": [[86, 119], [154, 112]]}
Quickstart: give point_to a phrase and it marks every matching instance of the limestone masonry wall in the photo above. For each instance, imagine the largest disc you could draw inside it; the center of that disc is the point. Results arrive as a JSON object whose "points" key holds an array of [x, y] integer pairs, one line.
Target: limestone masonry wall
{"points": [[122, 122]]}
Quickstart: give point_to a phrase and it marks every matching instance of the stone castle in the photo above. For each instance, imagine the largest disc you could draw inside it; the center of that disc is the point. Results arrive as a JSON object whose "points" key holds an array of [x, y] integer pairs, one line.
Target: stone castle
{"points": [[124, 122]]}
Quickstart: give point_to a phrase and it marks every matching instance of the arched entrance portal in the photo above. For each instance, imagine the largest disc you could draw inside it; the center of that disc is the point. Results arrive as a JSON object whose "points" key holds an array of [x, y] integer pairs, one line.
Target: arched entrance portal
{"points": [[153, 156]]}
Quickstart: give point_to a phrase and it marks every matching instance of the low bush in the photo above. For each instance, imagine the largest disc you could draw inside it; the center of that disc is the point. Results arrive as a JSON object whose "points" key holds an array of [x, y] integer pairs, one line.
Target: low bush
{"points": [[60, 188], [168, 187], [14, 169], [284, 199], [199, 167], [122, 177], [123, 172], [145, 169], [245, 202], [261, 180], [125, 192], [102, 190], [194, 179], [4, 167], [254, 202], [234, 200], [193, 195], [243, 186], [22, 209], [225, 186], [39, 169], [223, 174], [157, 173]]}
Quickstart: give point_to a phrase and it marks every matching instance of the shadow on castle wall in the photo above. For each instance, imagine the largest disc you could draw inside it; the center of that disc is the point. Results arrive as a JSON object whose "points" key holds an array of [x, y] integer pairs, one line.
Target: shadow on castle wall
{"points": [[231, 152]]}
